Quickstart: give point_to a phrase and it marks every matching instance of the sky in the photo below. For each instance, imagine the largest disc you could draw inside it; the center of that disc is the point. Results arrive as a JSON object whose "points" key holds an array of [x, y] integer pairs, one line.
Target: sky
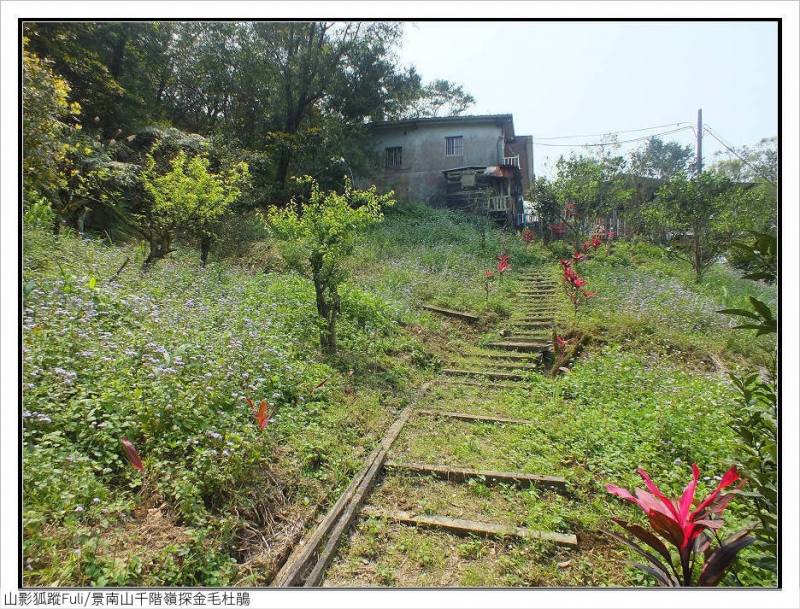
{"points": [[636, 79]]}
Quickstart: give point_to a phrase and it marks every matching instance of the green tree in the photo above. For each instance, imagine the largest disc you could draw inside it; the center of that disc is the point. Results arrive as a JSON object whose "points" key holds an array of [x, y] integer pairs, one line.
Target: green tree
{"points": [[45, 107], [188, 198], [701, 213], [648, 167], [206, 56], [76, 52], [546, 205], [588, 187], [755, 170], [758, 163], [324, 229], [660, 160], [119, 72], [327, 71], [441, 96], [52, 141]]}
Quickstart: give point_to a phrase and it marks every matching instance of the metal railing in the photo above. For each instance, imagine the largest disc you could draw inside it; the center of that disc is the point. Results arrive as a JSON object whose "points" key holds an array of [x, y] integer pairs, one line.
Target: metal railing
{"points": [[511, 160]]}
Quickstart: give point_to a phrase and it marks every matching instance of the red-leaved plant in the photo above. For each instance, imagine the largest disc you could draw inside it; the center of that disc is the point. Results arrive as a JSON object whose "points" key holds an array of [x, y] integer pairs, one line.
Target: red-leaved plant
{"points": [[262, 418], [502, 264], [573, 283], [487, 284], [132, 454], [690, 531]]}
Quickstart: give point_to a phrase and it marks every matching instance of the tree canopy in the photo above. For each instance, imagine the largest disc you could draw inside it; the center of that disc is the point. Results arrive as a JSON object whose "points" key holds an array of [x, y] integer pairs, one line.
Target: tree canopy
{"points": [[292, 97]]}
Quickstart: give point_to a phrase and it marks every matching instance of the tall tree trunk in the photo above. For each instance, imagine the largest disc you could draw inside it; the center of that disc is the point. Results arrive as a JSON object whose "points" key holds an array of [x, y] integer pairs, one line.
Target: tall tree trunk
{"points": [[282, 172]]}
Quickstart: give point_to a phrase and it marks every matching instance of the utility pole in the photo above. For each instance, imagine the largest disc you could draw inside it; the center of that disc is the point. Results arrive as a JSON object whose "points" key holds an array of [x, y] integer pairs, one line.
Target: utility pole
{"points": [[699, 141]]}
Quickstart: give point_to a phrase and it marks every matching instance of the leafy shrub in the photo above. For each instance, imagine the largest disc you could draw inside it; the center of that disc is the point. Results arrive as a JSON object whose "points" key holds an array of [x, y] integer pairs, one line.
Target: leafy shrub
{"points": [[238, 234], [325, 226]]}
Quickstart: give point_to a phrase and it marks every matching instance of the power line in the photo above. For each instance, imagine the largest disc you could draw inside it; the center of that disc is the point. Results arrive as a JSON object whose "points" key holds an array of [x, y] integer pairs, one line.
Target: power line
{"points": [[566, 137], [638, 139], [730, 149]]}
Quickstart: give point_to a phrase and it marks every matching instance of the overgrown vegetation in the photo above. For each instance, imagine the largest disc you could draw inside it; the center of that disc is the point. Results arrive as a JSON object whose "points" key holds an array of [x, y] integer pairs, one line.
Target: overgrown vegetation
{"points": [[168, 359]]}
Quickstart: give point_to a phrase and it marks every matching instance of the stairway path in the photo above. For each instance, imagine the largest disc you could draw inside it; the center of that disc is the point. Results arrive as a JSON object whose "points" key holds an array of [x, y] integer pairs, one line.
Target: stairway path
{"points": [[404, 481]]}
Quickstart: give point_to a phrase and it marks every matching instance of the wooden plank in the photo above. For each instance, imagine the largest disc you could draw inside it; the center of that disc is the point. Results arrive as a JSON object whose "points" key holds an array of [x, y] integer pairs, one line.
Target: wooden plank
{"points": [[456, 380], [460, 474], [515, 367], [474, 417], [541, 320], [516, 357], [501, 376], [452, 313], [332, 545], [299, 561], [531, 335], [520, 346], [471, 527]]}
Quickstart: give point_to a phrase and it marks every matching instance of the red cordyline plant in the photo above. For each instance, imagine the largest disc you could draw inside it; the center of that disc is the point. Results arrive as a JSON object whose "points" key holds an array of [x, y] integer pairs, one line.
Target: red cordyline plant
{"points": [[689, 530], [262, 418], [573, 283], [592, 245], [528, 236], [134, 459], [502, 265], [487, 284], [132, 454]]}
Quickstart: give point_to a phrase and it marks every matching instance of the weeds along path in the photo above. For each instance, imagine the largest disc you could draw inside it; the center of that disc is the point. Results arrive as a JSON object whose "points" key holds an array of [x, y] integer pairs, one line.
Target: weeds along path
{"points": [[457, 493]]}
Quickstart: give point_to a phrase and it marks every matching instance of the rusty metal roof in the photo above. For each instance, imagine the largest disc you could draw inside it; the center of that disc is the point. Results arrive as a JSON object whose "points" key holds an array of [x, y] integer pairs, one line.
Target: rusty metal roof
{"points": [[500, 171]]}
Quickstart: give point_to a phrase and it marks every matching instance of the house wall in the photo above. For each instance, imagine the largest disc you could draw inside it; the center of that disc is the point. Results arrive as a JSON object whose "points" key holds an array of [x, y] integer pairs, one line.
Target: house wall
{"points": [[522, 145], [419, 177]]}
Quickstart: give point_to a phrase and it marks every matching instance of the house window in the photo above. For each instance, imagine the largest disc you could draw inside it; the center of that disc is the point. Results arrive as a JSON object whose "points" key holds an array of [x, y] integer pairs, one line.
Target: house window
{"points": [[454, 146], [394, 156]]}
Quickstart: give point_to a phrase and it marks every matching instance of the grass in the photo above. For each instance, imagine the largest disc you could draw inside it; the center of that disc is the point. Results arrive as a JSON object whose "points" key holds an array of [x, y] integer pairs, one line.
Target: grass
{"points": [[168, 358]]}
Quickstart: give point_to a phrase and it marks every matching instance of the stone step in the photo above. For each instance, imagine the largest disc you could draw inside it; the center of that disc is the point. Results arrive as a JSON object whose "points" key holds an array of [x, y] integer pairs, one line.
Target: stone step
{"points": [[530, 337], [480, 418]]}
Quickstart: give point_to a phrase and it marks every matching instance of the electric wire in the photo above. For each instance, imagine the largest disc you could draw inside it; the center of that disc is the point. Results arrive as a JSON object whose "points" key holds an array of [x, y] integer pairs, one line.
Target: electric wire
{"points": [[730, 149], [566, 137], [590, 145], [688, 127]]}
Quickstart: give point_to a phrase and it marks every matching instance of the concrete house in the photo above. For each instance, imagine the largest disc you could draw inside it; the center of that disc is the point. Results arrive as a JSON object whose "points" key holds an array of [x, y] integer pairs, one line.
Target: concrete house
{"points": [[473, 163]]}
